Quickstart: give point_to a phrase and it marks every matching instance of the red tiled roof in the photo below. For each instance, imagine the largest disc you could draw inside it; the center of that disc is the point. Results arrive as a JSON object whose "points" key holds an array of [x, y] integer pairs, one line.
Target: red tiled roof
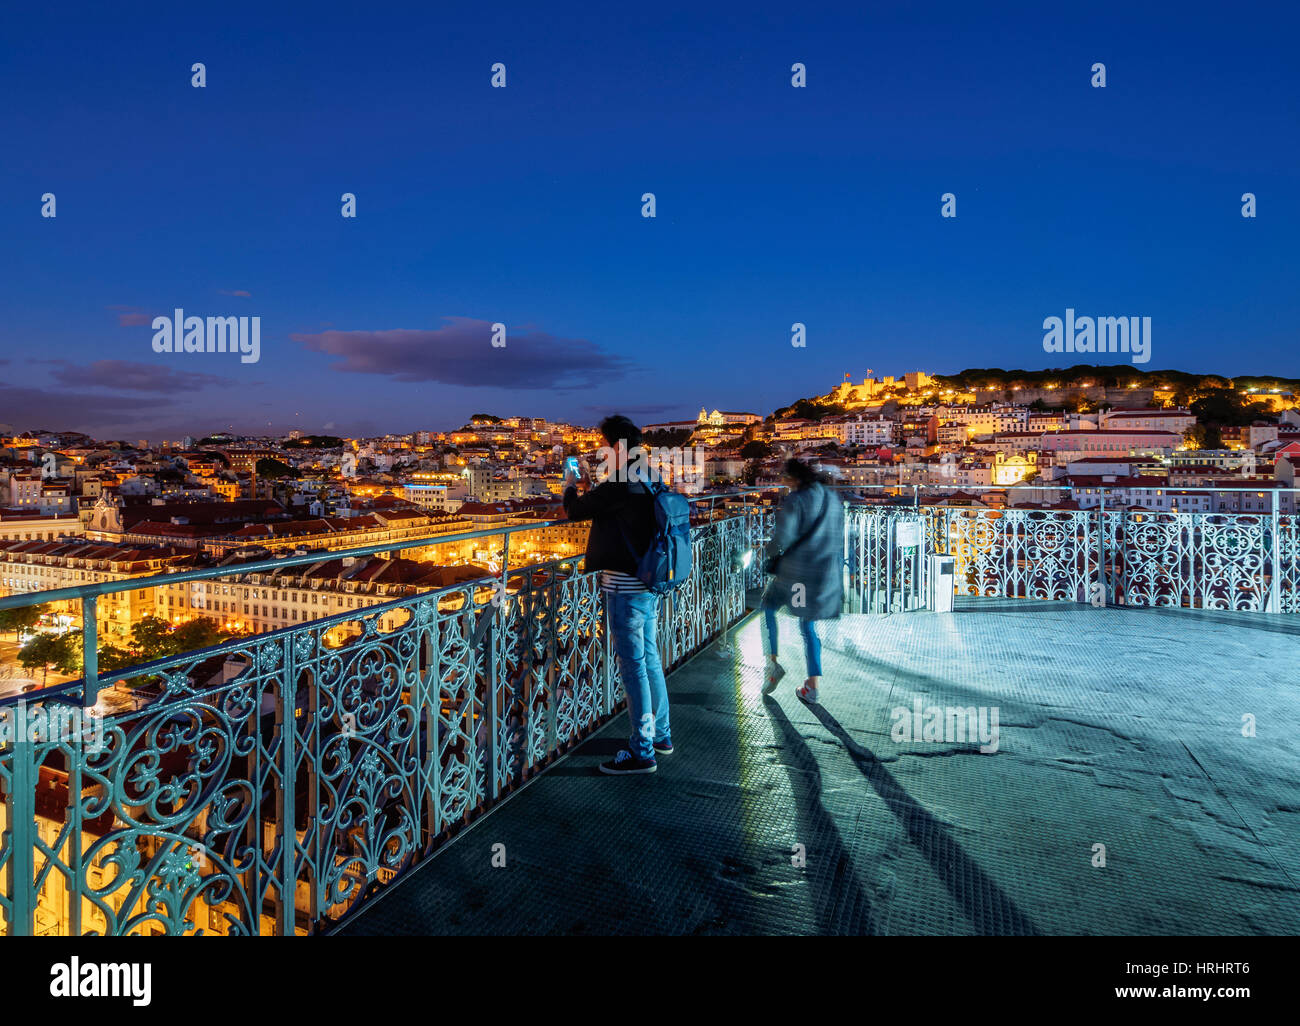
{"points": [[1148, 413], [1111, 434], [1109, 459], [175, 530], [17, 514], [1100, 480], [201, 512]]}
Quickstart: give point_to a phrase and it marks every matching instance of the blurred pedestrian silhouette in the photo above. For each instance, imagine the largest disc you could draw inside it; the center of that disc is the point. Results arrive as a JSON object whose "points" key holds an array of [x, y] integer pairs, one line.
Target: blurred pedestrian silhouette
{"points": [[806, 562]]}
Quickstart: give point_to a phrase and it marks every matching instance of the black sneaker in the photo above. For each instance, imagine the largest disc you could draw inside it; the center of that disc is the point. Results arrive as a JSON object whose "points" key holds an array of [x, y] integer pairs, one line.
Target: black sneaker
{"points": [[664, 747], [625, 762]]}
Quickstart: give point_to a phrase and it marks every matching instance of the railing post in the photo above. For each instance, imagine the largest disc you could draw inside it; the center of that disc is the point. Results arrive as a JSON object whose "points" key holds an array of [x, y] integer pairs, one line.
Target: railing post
{"points": [[22, 862], [76, 856], [552, 668], [606, 656], [493, 664], [1101, 548], [1275, 578], [89, 651], [286, 814], [863, 587], [922, 555], [890, 533]]}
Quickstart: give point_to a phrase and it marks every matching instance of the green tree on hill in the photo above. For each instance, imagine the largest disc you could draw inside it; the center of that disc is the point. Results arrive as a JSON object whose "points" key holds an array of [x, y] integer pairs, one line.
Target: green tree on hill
{"points": [[314, 442], [1222, 408], [671, 438], [811, 409], [270, 469]]}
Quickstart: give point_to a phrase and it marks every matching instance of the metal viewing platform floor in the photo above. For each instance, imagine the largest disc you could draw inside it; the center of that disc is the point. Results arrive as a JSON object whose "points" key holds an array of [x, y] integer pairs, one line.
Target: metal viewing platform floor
{"points": [[1116, 727]]}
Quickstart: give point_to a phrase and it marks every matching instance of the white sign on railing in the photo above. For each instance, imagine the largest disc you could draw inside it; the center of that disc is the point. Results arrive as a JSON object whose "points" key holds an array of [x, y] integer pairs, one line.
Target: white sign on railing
{"points": [[907, 534]]}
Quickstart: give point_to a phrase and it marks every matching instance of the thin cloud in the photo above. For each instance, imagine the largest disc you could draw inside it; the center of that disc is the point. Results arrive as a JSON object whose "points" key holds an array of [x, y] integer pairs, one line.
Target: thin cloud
{"points": [[241, 293], [133, 376], [74, 411], [628, 410], [461, 353], [132, 316]]}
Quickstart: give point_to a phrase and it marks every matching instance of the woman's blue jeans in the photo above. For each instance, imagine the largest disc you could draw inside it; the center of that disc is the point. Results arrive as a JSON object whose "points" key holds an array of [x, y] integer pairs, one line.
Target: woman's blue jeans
{"points": [[812, 646]]}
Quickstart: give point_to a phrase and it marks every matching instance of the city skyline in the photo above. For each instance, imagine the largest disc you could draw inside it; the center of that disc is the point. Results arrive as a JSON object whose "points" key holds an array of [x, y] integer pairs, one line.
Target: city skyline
{"points": [[1071, 390], [522, 206]]}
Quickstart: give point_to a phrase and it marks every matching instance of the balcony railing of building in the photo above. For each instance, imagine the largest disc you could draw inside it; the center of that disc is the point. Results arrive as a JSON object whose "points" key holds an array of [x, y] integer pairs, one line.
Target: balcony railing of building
{"points": [[274, 784]]}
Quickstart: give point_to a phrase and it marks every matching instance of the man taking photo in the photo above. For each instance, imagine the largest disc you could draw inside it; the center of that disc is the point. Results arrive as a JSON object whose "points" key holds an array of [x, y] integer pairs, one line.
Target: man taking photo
{"points": [[623, 525]]}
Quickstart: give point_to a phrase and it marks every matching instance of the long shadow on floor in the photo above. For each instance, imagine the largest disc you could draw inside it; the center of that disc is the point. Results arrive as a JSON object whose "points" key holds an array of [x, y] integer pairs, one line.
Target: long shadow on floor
{"points": [[987, 906], [840, 896], [901, 676]]}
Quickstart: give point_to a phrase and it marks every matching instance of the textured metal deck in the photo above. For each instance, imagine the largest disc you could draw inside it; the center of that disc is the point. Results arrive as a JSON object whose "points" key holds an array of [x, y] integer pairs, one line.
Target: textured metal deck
{"points": [[1117, 727]]}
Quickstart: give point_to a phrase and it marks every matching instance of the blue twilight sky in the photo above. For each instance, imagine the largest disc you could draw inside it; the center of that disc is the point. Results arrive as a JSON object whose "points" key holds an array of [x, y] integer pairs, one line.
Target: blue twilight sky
{"points": [[523, 205]]}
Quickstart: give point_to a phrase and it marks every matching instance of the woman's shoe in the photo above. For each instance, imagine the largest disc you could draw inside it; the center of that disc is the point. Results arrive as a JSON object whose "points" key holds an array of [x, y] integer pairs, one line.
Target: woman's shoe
{"points": [[807, 695], [775, 671]]}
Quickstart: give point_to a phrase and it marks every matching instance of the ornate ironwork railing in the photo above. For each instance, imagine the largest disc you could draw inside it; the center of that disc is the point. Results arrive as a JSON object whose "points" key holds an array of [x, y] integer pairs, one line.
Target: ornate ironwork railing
{"points": [[274, 784], [1231, 561]]}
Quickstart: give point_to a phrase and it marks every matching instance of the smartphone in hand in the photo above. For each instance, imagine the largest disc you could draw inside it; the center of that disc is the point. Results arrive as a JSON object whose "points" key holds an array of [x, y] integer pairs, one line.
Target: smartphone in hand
{"points": [[572, 475]]}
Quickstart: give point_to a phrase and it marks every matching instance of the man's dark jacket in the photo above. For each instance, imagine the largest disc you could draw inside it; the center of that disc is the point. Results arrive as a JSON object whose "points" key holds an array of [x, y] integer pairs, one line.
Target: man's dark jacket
{"points": [[609, 506]]}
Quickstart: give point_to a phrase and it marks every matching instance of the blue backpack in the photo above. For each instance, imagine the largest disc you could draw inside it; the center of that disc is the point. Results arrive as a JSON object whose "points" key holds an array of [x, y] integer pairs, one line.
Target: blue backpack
{"points": [[667, 562]]}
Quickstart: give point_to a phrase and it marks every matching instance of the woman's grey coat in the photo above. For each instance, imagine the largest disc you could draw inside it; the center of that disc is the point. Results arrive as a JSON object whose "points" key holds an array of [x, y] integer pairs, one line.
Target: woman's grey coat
{"points": [[816, 562]]}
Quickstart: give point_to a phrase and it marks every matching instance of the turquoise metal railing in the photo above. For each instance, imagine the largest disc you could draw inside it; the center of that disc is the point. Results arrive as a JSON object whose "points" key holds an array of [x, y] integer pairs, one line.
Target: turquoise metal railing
{"points": [[273, 784], [1248, 562]]}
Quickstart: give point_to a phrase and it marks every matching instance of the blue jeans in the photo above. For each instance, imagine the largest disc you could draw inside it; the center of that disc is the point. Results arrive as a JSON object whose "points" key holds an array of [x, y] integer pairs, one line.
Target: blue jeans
{"points": [[812, 646], [633, 622]]}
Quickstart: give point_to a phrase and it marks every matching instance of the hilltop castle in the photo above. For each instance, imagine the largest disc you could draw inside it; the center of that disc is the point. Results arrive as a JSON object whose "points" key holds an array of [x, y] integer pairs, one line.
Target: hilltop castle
{"points": [[849, 395]]}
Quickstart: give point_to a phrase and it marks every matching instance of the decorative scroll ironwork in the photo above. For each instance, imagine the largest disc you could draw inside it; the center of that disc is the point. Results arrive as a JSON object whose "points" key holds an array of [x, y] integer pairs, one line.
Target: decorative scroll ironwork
{"points": [[273, 784], [1288, 564], [1039, 554], [1192, 560], [883, 576]]}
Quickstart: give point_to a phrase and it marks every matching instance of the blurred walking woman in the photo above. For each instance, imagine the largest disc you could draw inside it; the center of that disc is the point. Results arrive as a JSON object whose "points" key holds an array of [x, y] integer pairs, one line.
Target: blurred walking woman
{"points": [[807, 568]]}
